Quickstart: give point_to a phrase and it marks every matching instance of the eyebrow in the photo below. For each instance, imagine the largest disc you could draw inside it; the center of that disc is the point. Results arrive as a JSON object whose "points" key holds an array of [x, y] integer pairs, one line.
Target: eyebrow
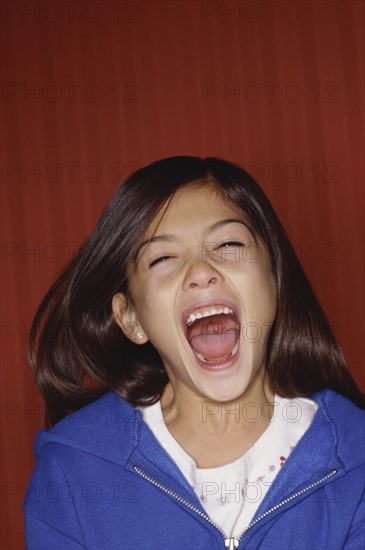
{"points": [[171, 238]]}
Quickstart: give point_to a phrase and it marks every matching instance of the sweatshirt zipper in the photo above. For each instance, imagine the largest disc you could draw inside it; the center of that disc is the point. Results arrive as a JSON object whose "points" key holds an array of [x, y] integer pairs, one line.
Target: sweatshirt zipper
{"points": [[286, 500], [146, 476], [230, 543]]}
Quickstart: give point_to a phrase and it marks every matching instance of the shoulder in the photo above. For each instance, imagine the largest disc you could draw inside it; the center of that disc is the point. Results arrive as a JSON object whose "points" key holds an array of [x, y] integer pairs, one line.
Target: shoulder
{"points": [[338, 407], [105, 427], [347, 422]]}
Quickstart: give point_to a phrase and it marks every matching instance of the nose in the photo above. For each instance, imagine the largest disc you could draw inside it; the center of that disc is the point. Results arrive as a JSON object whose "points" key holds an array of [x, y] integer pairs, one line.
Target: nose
{"points": [[201, 275]]}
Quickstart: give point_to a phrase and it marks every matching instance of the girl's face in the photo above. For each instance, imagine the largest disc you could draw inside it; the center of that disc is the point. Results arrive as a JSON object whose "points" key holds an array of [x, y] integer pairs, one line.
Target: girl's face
{"points": [[203, 293]]}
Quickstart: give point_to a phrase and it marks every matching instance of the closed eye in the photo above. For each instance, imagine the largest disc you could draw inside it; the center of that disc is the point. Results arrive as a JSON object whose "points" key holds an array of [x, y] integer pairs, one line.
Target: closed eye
{"points": [[229, 244], [159, 260]]}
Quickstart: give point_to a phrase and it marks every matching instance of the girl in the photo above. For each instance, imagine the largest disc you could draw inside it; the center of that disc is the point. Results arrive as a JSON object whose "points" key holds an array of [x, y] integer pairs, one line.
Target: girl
{"points": [[213, 406]]}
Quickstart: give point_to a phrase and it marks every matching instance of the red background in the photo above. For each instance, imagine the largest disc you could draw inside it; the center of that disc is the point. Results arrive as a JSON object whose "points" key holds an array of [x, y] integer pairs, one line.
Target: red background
{"points": [[93, 90]]}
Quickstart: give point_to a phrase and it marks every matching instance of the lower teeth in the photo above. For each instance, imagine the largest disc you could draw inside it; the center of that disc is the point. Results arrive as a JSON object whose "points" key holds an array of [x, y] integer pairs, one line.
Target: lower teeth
{"points": [[215, 361]]}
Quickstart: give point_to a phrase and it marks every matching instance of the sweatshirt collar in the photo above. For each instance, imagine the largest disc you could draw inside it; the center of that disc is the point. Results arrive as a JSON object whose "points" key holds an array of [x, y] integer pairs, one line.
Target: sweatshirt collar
{"points": [[112, 429]]}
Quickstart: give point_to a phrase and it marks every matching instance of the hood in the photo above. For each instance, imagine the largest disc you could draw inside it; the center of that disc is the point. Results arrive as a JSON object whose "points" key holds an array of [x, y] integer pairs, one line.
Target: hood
{"points": [[106, 428]]}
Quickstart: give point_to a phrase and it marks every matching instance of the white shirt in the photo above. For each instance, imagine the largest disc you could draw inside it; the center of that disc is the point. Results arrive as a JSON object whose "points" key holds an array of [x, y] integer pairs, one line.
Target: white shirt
{"points": [[231, 494]]}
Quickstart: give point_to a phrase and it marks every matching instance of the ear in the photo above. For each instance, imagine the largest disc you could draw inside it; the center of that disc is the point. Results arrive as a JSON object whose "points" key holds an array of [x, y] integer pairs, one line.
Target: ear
{"points": [[126, 318]]}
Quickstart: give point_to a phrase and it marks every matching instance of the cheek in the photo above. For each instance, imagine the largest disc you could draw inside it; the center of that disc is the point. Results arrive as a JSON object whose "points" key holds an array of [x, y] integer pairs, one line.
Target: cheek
{"points": [[267, 291], [153, 307], [259, 295]]}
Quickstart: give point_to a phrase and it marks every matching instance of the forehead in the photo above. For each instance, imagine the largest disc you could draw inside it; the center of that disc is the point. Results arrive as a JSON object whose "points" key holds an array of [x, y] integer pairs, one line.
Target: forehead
{"points": [[198, 204]]}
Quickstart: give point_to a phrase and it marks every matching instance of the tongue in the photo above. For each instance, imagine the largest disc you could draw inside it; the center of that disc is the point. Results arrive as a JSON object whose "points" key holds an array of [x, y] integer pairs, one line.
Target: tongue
{"points": [[214, 337]]}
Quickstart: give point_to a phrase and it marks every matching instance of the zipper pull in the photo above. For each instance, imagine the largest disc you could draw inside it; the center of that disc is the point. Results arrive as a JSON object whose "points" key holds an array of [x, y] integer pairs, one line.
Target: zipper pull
{"points": [[231, 543]]}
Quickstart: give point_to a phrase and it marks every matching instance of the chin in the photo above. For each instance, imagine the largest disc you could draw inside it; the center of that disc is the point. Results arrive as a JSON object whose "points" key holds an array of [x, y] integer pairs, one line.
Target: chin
{"points": [[222, 391]]}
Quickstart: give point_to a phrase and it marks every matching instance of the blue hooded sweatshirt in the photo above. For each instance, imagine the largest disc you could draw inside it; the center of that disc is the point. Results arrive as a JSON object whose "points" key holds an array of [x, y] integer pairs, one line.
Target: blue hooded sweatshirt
{"points": [[103, 481]]}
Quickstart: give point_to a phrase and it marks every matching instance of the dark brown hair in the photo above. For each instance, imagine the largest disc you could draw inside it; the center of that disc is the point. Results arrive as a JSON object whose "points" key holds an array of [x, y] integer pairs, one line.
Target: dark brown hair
{"points": [[77, 351]]}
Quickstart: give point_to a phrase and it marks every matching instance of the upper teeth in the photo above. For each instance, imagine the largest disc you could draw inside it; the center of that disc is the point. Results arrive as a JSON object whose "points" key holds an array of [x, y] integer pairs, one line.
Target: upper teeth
{"points": [[194, 316]]}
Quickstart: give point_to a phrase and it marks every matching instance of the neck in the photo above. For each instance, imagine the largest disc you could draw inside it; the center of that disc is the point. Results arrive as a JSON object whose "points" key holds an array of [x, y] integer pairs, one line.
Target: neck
{"points": [[216, 433]]}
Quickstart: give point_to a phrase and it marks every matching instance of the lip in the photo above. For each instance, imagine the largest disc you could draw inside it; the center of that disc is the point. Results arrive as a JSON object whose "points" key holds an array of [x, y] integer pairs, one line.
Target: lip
{"points": [[219, 366]]}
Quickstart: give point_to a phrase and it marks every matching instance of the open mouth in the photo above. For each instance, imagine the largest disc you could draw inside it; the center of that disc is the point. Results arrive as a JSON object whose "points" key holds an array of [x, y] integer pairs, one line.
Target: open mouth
{"points": [[213, 334]]}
